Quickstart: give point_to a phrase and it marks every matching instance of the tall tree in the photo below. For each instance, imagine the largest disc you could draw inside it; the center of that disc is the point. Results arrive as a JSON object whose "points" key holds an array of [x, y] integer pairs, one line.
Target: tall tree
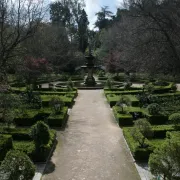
{"points": [[67, 13], [83, 31], [102, 18], [18, 21], [60, 13]]}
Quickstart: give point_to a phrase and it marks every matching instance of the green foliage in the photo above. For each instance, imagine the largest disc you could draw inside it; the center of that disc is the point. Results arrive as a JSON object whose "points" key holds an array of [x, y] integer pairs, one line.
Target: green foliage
{"points": [[17, 133], [40, 134], [16, 165], [8, 103], [102, 18], [142, 130], [144, 127], [138, 136], [174, 87], [156, 119], [123, 102], [165, 160], [83, 31], [139, 153], [101, 73], [29, 148], [154, 109], [109, 83], [5, 145], [46, 99], [32, 99], [161, 130], [149, 87], [127, 85], [175, 119], [123, 119], [70, 85], [160, 83], [56, 104], [8, 117], [58, 120]]}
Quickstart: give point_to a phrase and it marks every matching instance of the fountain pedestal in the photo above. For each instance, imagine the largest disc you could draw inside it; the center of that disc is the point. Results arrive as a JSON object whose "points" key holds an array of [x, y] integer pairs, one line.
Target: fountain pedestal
{"points": [[90, 80]]}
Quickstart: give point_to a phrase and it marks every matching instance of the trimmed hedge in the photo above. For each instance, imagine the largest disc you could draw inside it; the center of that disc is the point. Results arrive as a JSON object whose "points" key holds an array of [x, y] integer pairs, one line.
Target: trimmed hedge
{"points": [[102, 78], [27, 119], [133, 92], [163, 89], [123, 119], [113, 99], [160, 131], [122, 89], [58, 120], [28, 147], [133, 99], [156, 119], [43, 114], [140, 154], [5, 145], [18, 134], [56, 90], [68, 101], [71, 93]]}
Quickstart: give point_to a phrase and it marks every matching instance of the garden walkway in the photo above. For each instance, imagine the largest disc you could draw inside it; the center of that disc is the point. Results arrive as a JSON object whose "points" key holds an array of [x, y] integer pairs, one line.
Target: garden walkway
{"points": [[92, 147]]}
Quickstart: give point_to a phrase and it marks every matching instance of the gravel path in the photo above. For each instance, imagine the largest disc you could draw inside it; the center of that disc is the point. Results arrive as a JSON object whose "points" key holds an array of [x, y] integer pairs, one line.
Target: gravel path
{"points": [[92, 147]]}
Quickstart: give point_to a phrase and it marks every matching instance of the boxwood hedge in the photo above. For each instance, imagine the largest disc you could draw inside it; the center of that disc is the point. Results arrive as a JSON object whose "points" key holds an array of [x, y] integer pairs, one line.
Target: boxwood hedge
{"points": [[5, 145]]}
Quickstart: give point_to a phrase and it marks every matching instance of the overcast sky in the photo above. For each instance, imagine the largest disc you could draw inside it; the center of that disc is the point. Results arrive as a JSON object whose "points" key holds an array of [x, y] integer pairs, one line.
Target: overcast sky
{"points": [[93, 6]]}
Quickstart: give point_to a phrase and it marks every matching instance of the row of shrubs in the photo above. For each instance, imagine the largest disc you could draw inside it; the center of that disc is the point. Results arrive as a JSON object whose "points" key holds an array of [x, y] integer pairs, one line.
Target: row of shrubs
{"points": [[142, 154], [52, 119], [132, 100], [50, 79], [17, 156], [67, 100], [138, 90], [127, 119], [22, 141], [130, 109]]}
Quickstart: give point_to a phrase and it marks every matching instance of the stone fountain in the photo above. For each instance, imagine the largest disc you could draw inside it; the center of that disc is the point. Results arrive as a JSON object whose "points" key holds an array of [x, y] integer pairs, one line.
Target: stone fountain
{"points": [[90, 80]]}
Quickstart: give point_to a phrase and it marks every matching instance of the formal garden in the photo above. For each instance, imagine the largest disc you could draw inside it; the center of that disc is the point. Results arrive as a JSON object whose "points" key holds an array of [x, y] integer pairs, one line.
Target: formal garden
{"points": [[28, 117], [150, 119], [50, 52]]}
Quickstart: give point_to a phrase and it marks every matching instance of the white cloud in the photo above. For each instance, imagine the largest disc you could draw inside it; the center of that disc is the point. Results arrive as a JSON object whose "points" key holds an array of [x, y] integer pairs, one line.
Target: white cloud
{"points": [[119, 3], [92, 7]]}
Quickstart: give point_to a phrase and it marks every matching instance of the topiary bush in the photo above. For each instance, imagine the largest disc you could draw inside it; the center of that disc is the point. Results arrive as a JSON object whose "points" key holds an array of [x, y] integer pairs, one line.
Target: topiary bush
{"points": [[5, 145], [154, 109], [122, 103], [56, 104], [127, 85], [149, 88], [17, 165], [175, 119], [40, 133], [109, 83], [70, 85], [142, 129]]}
